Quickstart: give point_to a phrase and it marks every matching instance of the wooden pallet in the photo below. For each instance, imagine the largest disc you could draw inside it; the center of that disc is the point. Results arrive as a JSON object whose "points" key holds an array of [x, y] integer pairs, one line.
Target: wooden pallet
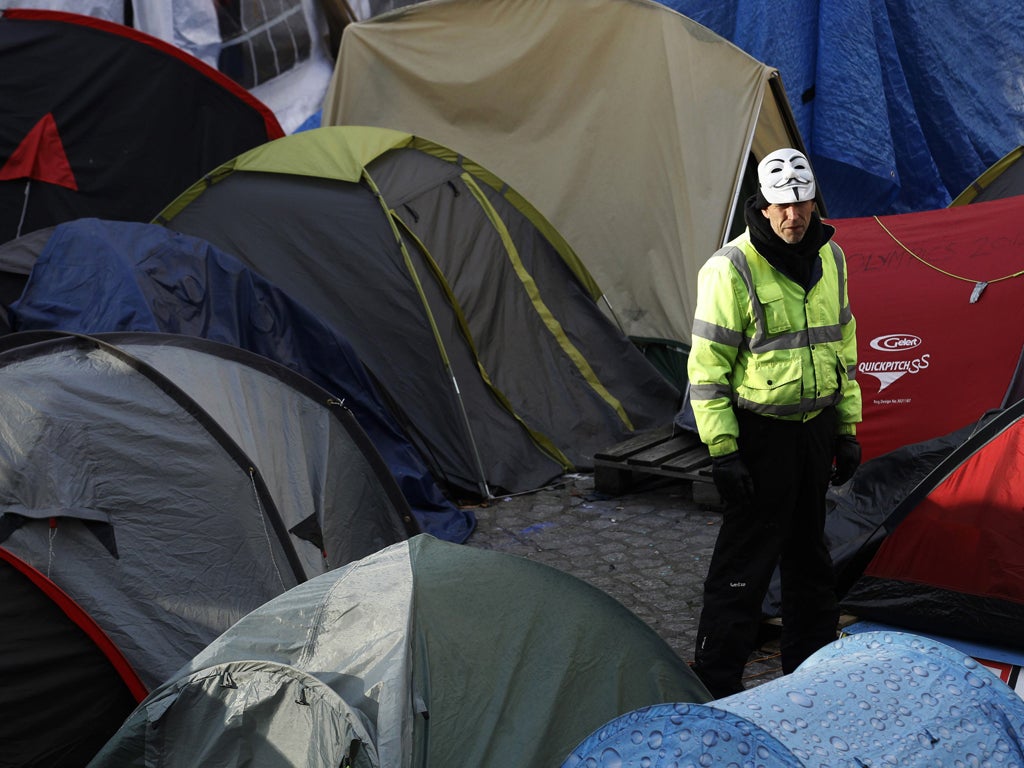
{"points": [[659, 452]]}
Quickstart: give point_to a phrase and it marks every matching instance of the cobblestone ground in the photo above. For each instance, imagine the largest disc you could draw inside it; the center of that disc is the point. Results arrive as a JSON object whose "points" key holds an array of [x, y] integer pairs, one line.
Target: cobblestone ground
{"points": [[649, 549]]}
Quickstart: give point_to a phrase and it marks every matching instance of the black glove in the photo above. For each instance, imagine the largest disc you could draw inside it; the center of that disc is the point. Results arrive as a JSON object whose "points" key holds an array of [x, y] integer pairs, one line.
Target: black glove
{"points": [[732, 478], [847, 459]]}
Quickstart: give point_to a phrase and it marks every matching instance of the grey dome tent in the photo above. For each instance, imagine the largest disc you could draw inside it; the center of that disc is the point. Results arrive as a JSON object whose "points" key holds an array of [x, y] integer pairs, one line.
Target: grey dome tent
{"points": [[97, 276], [153, 490], [467, 306], [427, 653]]}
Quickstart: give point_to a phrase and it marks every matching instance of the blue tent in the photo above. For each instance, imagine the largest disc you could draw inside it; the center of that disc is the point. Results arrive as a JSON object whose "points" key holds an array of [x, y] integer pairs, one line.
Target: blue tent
{"points": [[96, 276], [872, 699], [901, 105]]}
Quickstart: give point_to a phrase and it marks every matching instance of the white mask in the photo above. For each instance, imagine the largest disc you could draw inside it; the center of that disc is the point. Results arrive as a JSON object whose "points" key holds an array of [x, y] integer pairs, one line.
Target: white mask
{"points": [[785, 176]]}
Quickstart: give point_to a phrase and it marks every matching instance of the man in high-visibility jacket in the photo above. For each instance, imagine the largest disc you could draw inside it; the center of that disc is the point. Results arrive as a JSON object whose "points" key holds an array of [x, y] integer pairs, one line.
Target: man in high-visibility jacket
{"points": [[774, 396]]}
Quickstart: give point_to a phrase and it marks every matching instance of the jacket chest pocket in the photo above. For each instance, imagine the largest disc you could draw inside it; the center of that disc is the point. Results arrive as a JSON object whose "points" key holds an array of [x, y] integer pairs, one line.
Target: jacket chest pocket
{"points": [[769, 296]]}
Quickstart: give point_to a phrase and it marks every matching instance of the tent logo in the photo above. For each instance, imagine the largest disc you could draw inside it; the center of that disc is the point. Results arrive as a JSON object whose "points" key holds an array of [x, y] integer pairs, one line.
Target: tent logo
{"points": [[896, 342], [888, 371]]}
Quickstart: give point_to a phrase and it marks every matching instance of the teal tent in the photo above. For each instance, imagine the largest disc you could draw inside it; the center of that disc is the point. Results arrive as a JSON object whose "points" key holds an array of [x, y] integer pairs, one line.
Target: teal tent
{"points": [[427, 653]]}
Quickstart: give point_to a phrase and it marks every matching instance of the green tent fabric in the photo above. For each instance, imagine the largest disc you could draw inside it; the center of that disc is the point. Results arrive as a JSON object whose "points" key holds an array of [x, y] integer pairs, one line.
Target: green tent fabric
{"points": [[426, 653], [469, 309]]}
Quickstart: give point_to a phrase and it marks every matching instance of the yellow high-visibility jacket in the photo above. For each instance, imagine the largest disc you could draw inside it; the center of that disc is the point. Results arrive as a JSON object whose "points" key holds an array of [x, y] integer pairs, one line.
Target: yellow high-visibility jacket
{"points": [[760, 342]]}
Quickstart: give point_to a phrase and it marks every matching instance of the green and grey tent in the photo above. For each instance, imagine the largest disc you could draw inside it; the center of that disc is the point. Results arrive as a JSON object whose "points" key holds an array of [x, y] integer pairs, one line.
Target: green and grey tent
{"points": [[1004, 178], [469, 309], [427, 653]]}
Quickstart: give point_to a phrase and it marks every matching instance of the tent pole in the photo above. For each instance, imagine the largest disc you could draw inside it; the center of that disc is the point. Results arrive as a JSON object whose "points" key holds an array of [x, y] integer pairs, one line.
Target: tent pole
{"points": [[482, 481], [24, 208]]}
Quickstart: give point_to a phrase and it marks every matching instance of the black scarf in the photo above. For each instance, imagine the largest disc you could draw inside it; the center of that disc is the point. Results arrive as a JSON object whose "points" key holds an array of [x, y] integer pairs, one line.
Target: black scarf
{"points": [[799, 261]]}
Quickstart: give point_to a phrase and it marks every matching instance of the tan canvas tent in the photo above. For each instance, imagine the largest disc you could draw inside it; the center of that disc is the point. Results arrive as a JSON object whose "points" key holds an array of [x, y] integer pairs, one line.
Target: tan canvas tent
{"points": [[628, 125]]}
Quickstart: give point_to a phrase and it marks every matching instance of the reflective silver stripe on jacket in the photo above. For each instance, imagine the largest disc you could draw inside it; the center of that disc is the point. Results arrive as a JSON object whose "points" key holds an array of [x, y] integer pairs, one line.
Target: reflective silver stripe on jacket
{"points": [[845, 312], [710, 391], [806, 405], [760, 342], [718, 334]]}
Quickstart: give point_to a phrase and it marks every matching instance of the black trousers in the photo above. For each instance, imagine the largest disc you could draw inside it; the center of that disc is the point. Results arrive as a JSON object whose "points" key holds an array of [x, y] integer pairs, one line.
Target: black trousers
{"points": [[791, 465]]}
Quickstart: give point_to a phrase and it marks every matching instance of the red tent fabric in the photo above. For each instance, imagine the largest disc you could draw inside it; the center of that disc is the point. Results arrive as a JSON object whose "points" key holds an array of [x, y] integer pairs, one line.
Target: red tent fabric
{"points": [[976, 509], [951, 559], [41, 156], [938, 297]]}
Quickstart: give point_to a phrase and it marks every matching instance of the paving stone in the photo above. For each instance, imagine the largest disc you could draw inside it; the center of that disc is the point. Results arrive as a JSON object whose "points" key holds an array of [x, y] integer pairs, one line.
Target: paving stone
{"points": [[649, 549]]}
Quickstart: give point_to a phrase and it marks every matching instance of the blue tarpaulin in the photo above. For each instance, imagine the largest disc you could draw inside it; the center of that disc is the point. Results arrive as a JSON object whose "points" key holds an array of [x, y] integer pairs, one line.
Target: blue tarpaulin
{"points": [[96, 276], [901, 105]]}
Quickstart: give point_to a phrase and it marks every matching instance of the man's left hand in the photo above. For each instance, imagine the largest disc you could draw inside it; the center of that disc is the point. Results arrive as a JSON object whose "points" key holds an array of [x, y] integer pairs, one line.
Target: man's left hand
{"points": [[847, 459]]}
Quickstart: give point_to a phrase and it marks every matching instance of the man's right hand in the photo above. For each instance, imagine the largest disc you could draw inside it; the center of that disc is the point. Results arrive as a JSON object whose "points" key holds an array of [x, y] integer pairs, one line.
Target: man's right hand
{"points": [[732, 478]]}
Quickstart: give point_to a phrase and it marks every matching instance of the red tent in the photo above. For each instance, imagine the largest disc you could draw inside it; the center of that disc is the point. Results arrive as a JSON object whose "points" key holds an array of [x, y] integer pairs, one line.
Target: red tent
{"points": [[938, 297], [949, 558]]}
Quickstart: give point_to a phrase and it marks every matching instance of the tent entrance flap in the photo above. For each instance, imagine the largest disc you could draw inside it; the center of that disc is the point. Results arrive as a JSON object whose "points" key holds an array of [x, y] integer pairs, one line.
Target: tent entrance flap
{"points": [[485, 492]]}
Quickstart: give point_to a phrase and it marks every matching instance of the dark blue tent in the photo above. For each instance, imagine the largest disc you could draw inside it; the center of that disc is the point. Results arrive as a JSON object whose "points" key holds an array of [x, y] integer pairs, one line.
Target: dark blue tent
{"points": [[901, 105], [96, 276]]}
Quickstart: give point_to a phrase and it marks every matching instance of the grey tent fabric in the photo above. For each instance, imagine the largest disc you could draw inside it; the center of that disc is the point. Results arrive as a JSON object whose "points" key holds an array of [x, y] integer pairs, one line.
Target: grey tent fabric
{"points": [[251, 713], [1004, 178], [168, 517], [338, 487], [467, 307], [449, 656], [95, 276]]}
